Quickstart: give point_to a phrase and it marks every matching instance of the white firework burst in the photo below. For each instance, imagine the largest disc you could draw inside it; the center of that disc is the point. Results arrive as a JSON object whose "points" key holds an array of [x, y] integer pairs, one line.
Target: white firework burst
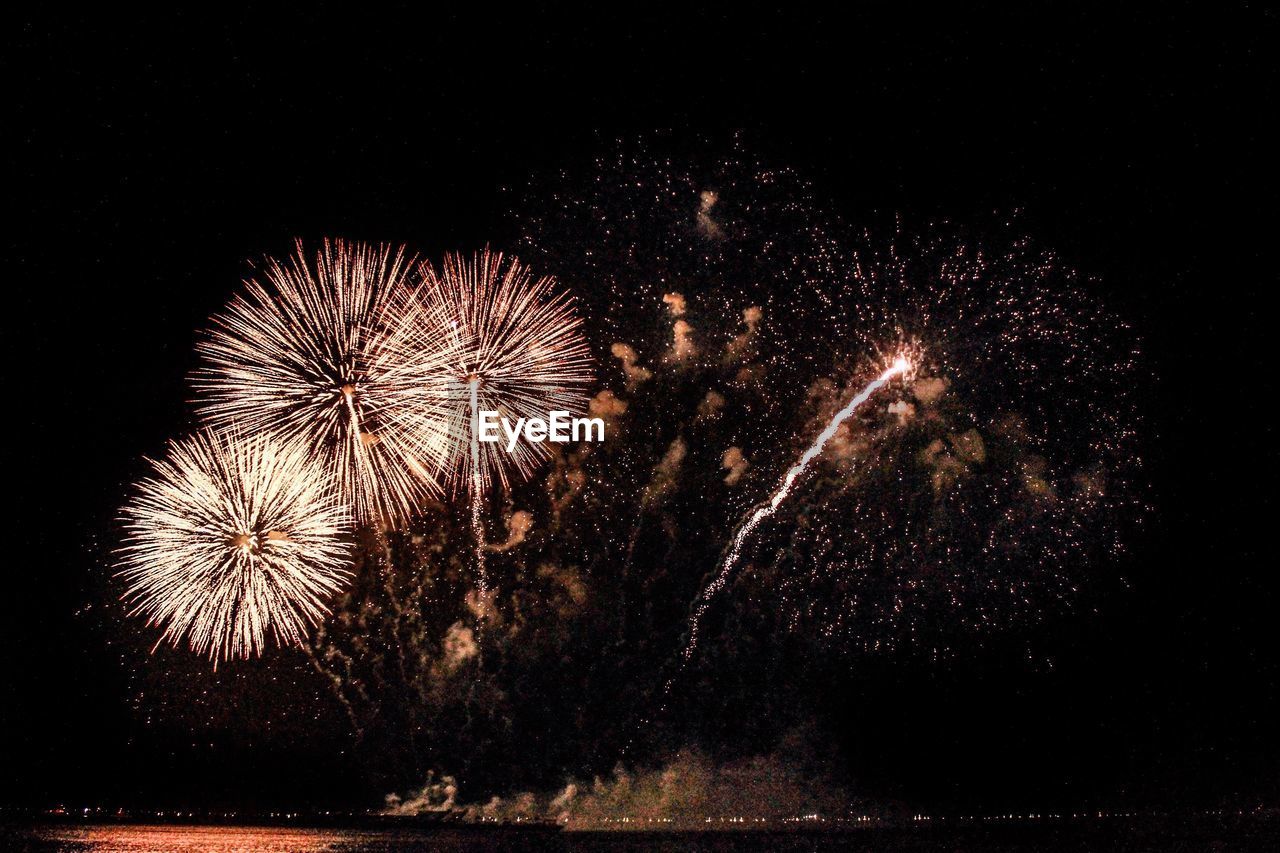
{"points": [[516, 347], [232, 540]]}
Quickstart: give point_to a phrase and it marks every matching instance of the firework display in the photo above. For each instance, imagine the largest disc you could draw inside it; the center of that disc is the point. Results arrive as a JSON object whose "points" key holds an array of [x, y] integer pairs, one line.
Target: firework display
{"points": [[352, 363], [936, 424], [233, 541], [981, 493], [960, 405], [410, 450]]}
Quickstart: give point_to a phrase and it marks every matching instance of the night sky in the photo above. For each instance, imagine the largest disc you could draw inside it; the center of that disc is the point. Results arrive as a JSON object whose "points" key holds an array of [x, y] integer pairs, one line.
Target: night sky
{"points": [[148, 160]]}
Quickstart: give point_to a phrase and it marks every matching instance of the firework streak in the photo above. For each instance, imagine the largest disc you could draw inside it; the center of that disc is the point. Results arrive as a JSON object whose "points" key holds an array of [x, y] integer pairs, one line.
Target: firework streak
{"points": [[477, 502], [900, 366]]}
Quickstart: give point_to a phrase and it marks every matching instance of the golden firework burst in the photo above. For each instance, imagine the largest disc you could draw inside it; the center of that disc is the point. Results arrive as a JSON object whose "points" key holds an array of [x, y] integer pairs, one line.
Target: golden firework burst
{"points": [[232, 540]]}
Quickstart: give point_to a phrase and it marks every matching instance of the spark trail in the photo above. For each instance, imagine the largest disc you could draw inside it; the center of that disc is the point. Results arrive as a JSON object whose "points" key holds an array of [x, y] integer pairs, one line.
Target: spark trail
{"points": [[899, 367], [477, 502]]}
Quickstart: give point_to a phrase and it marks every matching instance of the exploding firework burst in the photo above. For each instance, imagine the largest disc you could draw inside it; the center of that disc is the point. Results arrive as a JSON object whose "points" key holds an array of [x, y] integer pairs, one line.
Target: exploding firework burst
{"points": [[231, 541], [515, 346], [987, 489], [320, 352]]}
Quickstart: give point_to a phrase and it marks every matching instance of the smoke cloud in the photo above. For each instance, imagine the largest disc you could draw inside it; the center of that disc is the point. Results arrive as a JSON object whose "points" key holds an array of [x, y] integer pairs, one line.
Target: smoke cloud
{"points": [[690, 793], [459, 647], [626, 354], [606, 405], [738, 347], [736, 463], [711, 405], [682, 346], [709, 227], [519, 523], [667, 473]]}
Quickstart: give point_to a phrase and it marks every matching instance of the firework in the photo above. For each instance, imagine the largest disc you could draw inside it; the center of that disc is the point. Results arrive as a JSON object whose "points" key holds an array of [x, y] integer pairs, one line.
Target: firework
{"points": [[514, 346], [324, 352], [231, 540], [900, 367], [982, 490], [996, 486]]}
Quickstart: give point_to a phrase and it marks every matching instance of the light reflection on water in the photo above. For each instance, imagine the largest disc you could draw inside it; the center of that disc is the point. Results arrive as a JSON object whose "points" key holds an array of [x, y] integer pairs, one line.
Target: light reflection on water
{"points": [[116, 838], [239, 839], [1156, 837]]}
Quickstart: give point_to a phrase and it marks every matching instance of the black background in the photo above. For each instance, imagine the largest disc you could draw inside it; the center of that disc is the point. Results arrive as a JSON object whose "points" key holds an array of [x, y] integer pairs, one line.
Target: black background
{"points": [[147, 157]]}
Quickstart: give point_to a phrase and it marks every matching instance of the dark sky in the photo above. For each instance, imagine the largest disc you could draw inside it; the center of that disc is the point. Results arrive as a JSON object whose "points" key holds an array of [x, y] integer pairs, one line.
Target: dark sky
{"points": [[145, 158]]}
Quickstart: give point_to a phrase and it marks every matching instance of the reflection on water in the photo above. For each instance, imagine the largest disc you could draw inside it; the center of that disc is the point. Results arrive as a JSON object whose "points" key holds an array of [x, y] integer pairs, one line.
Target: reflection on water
{"points": [[207, 839], [237, 839], [117, 838], [1156, 837]]}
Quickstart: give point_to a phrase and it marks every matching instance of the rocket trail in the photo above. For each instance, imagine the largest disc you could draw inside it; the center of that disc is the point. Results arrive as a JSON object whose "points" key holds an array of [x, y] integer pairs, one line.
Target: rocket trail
{"points": [[477, 519], [900, 366], [361, 453]]}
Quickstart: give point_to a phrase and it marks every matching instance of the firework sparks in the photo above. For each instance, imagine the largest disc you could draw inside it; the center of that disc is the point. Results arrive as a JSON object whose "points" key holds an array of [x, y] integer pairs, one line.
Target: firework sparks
{"points": [[961, 502], [321, 353], [993, 488], [901, 366], [477, 517], [232, 540]]}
